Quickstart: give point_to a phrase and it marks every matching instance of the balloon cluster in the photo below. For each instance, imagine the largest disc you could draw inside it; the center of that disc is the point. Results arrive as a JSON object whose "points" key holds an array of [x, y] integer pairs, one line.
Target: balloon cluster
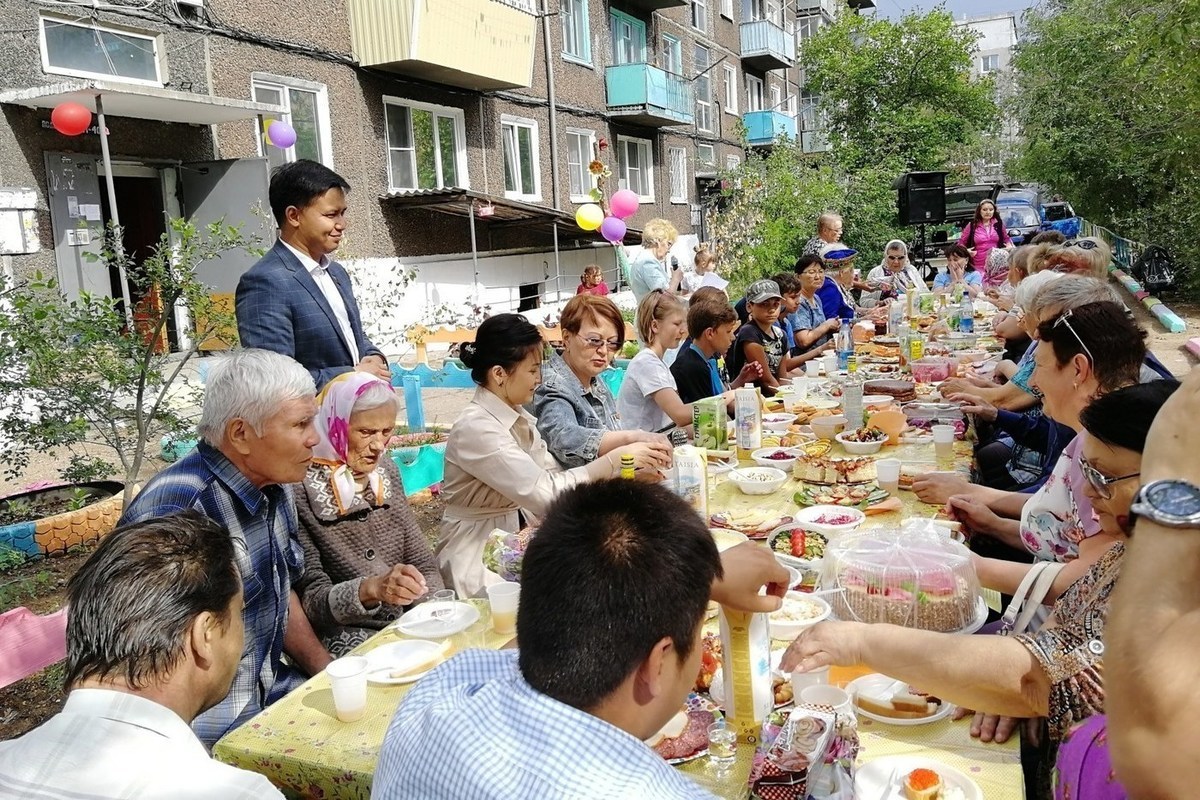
{"points": [[278, 133], [624, 204]]}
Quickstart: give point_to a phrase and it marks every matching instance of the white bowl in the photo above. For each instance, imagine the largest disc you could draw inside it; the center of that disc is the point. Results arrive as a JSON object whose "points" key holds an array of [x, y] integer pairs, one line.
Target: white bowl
{"points": [[828, 427], [859, 448], [758, 480], [777, 421], [877, 399], [759, 457], [726, 538], [809, 519], [783, 628]]}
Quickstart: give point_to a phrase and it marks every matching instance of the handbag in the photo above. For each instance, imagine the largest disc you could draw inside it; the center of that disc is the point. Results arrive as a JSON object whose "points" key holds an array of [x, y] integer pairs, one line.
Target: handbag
{"points": [[1026, 609]]}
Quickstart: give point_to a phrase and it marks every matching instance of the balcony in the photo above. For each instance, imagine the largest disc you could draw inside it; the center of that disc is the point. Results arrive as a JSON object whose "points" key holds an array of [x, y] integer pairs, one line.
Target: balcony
{"points": [[767, 46], [764, 128], [814, 141], [644, 95], [656, 5], [473, 44]]}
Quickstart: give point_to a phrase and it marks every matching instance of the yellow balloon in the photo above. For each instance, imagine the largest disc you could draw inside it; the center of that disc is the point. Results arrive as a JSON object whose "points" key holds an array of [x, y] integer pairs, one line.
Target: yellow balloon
{"points": [[589, 216]]}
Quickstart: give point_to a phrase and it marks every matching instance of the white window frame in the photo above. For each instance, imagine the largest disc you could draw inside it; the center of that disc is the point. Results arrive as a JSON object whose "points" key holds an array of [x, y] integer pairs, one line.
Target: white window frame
{"points": [[460, 136], [584, 24], [732, 161], [704, 120], [672, 49], [727, 9], [587, 179], [776, 98], [677, 164], [282, 83], [646, 149], [755, 93], [155, 40], [985, 61], [707, 163], [731, 89], [700, 14], [507, 120]]}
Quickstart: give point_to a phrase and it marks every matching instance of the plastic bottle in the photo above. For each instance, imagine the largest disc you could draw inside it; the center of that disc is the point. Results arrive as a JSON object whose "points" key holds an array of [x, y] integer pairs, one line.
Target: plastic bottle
{"points": [[852, 401], [966, 314]]}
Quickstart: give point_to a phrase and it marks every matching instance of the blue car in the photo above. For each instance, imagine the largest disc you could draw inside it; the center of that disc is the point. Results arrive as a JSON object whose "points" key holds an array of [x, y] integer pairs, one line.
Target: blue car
{"points": [[1021, 218]]}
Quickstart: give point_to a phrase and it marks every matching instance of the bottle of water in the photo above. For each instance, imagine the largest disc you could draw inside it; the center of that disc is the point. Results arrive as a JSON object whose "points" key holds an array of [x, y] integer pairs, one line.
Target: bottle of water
{"points": [[852, 401], [966, 314]]}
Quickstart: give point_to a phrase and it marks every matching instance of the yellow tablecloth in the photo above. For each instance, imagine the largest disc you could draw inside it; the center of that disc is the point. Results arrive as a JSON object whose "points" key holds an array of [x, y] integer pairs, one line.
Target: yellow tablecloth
{"points": [[303, 749]]}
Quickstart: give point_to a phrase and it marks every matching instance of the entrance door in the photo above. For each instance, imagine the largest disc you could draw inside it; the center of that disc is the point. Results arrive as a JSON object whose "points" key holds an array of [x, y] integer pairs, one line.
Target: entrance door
{"points": [[73, 194]]}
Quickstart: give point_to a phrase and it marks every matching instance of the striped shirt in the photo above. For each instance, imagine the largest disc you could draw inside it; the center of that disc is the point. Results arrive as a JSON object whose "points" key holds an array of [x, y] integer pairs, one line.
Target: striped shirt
{"points": [[474, 728], [263, 525]]}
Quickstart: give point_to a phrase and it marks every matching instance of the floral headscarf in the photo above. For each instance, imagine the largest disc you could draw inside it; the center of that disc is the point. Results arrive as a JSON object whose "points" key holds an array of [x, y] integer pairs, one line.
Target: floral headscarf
{"points": [[995, 270], [336, 402]]}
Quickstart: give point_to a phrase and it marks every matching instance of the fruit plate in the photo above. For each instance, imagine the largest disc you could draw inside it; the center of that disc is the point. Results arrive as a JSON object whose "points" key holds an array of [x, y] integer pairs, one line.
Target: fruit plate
{"points": [[872, 780]]}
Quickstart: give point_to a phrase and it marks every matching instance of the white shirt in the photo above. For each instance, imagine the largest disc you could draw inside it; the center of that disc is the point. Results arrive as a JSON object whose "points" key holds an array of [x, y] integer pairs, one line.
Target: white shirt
{"points": [[645, 375], [320, 275], [106, 745]]}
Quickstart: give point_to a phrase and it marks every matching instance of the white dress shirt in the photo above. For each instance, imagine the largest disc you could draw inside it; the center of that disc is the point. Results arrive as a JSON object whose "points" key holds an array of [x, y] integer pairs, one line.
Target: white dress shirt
{"points": [[106, 745], [319, 270]]}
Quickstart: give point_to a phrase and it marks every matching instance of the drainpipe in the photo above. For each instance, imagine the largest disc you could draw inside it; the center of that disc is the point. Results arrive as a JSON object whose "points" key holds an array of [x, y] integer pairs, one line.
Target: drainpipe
{"points": [[553, 104]]}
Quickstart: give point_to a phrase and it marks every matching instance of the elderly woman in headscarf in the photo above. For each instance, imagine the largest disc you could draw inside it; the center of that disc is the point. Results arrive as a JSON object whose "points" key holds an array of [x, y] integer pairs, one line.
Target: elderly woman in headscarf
{"points": [[895, 274], [365, 558]]}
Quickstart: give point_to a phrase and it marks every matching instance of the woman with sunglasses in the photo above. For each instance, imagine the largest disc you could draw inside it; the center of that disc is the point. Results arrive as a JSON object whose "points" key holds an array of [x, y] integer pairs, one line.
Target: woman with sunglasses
{"points": [[895, 275], [983, 234], [1053, 676], [576, 412]]}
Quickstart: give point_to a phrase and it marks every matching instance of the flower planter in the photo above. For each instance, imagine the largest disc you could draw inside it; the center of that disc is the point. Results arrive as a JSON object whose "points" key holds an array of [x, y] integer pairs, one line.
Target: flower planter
{"points": [[422, 463], [59, 533]]}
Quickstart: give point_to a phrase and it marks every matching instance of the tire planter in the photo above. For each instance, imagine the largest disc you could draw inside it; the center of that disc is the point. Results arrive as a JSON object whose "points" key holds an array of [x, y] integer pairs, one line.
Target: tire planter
{"points": [[57, 534]]}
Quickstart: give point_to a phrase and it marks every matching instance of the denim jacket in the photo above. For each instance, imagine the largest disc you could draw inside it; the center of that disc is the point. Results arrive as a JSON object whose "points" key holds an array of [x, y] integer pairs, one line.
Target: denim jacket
{"points": [[570, 419]]}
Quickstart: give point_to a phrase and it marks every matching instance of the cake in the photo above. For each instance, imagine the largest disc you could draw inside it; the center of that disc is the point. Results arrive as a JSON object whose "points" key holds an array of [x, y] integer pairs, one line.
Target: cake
{"points": [[900, 391], [918, 580], [826, 470]]}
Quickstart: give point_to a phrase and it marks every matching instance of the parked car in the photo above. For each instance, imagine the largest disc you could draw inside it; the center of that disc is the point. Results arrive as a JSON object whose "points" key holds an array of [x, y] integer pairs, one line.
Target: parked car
{"points": [[962, 200], [1021, 217], [1060, 216]]}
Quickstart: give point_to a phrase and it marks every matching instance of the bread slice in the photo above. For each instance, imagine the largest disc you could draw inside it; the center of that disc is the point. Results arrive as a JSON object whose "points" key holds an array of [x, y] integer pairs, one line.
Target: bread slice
{"points": [[884, 708], [424, 664], [910, 702]]}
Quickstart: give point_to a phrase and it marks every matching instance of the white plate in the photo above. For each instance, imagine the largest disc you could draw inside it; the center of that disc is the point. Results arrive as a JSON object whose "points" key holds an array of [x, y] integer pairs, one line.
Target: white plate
{"points": [[873, 776], [876, 684], [421, 623], [396, 655]]}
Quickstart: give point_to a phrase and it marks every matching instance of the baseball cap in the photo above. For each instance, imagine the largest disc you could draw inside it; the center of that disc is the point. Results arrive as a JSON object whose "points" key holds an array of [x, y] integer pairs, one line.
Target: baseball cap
{"points": [[762, 291]]}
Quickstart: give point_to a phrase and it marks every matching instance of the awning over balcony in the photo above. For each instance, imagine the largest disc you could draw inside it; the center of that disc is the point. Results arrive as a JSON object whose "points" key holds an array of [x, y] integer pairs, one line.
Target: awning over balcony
{"points": [[139, 102]]}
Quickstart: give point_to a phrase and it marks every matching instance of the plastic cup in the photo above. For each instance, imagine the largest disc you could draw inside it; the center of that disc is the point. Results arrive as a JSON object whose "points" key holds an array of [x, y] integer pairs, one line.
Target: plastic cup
{"points": [[830, 362], [825, 695], [802, 680], [722, 744], [800, 388], [348, 680], [943, 442], [503, 598], [887, 472]]}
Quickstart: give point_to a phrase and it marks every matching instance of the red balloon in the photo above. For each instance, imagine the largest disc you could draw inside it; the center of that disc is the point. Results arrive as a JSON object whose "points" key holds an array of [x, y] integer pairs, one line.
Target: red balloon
{"points": [[71, 119]]}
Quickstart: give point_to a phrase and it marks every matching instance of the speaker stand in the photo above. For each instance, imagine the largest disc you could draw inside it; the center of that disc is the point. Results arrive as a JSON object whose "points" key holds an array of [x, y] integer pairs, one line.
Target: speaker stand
{"points": [[921, 262]]}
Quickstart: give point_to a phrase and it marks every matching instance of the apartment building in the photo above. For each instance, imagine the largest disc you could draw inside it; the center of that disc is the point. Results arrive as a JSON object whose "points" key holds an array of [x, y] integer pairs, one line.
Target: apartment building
{"points": [[465, 128], [996, 39]]}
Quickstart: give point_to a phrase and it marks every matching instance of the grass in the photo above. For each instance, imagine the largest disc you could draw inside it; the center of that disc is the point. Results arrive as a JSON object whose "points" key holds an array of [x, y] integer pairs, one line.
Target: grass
{"points": [[20, 590]]}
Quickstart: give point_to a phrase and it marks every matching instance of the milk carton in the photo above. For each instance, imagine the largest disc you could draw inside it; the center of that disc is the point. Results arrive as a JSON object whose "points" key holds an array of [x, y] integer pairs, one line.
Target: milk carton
{"points": [[748, 420]]}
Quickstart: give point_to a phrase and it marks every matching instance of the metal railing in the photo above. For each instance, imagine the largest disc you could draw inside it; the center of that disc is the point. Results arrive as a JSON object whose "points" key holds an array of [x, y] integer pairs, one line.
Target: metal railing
{"points": [[764, 36]]}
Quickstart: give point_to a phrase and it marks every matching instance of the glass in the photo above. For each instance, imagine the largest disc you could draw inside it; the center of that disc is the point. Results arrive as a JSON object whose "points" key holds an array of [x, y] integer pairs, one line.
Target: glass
{"points": [[447, 153], [1065, 319], [84, 48], [1099, 481], [303, 108], [943, 442], [596, 343], [722, 744], [348, 682], [423, 139], [504, 599]]}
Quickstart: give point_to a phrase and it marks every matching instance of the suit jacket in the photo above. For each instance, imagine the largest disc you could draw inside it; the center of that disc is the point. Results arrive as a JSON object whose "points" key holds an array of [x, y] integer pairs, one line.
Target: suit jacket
{"points": [[281, 308]]}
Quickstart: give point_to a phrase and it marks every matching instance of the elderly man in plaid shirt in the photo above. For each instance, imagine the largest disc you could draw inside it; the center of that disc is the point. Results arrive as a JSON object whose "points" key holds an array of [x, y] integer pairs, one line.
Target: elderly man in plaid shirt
{"points": [[614, 589], [257, 435]]}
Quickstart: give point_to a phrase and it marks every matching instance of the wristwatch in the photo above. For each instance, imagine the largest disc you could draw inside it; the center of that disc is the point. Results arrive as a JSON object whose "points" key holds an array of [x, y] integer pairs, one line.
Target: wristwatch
{"points": [[1173, 503]]}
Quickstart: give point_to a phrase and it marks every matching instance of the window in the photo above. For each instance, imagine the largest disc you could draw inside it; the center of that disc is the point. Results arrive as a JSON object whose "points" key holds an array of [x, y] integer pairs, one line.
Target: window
{"points": [[677, 158], [426, 146], [577, 45], [732, 162], [989, 64], [306, 109], [731, 89], [700, 15], [706, 156], [628, 39], [635, 165], [791, 105], [754, 93], [703, 88], [807, 27], [763, 9], [580, 152], [521, 175], [727, 9], [672, 55], [776, 98], [88, 50]]}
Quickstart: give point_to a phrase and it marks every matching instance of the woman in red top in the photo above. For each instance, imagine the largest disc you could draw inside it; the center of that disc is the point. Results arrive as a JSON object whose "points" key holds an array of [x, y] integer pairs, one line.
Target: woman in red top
{"points": [[983, 234], [592, 281]]}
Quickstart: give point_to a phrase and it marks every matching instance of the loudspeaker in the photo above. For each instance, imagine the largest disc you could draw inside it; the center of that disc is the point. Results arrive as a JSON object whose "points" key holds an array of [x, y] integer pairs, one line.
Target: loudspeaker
{"points": [[921, 198]]}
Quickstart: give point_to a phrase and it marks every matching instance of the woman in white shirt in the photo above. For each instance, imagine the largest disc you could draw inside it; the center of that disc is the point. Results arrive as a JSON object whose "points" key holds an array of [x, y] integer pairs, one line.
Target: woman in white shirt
{"points": [[499, 473], [895, 273], [649, 397]]}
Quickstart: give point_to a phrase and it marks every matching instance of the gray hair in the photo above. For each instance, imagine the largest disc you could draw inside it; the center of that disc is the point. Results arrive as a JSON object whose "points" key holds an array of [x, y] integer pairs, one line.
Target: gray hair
{"points": [[827, 219], [1028, 288], [250, 384], [376, 395], [1071, 292]]}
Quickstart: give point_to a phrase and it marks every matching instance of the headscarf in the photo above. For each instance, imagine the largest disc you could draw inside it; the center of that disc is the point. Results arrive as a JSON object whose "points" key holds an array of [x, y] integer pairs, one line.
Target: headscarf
{"points": [[336, 403], [995, 270], [902, 273]]}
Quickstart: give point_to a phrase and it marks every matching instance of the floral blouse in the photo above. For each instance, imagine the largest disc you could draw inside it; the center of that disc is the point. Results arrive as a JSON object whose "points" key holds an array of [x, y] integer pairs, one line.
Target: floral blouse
{"points": [[1059, 515]]}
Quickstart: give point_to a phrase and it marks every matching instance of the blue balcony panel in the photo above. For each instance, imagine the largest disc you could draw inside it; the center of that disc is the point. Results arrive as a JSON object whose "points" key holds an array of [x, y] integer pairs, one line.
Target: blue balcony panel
{"points": [[764, 128], [645, 95]]}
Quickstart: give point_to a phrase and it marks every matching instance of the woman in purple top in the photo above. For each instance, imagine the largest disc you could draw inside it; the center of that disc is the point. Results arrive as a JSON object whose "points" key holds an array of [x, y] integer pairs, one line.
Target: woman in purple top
{"points": [[983, 234]]}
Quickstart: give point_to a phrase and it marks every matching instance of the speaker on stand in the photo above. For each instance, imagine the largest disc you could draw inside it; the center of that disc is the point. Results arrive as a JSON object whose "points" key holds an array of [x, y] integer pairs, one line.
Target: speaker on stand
{"points": [[921, 201]]}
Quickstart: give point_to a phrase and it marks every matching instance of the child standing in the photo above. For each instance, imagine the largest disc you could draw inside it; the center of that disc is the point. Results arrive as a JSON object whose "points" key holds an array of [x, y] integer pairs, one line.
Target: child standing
{"points": [[592, 281]]}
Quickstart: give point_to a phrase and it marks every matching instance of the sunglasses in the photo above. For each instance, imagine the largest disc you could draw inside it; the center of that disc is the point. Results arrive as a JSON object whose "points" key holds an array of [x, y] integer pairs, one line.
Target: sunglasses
{"points": [[1065, 319], [596, 343], [1083, 244], [1099, 481], [896, 258]]}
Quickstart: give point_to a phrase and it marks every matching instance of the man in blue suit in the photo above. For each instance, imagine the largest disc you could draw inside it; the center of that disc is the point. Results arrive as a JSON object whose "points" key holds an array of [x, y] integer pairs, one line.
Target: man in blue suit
{"points": [[296, 300]]}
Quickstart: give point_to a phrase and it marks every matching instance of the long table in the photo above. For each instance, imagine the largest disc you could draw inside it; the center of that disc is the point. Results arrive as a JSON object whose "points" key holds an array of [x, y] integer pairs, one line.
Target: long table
{"points": [[303, 749]]}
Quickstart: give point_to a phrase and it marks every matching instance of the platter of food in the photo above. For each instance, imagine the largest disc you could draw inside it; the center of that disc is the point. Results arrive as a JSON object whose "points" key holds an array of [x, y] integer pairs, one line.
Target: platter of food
{"points": [[685, 736], [827, 470], [884, 699], [858, 495], [798, 547], [911, 777], [753, 523]]}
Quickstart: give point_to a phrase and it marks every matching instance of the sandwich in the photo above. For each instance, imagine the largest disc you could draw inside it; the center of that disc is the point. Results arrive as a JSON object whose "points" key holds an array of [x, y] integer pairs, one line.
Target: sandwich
{"points": [[898, 701]]}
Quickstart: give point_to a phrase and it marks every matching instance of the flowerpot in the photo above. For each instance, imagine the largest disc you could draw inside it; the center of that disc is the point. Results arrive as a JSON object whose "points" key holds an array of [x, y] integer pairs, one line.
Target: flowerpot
{"points": [[420, 467], [58, 533]]}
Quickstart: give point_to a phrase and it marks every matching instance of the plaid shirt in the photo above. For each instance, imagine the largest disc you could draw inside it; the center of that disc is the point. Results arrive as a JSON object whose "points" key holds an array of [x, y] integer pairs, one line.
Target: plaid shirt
{"points": [[263, 525], [474, 728]]}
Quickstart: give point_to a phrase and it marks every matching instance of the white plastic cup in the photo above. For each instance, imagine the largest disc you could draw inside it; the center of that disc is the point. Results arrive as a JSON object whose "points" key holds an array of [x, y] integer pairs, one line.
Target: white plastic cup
{"points": [[830, 362], [825, 695], [887, 472], [800, 388], [348, 680], [943, 442], [802, 680], [503, 599]]}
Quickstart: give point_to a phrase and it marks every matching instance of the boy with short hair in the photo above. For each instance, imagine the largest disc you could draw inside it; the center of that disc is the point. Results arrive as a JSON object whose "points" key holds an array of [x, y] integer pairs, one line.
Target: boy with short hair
{"points": [[697, 369]]}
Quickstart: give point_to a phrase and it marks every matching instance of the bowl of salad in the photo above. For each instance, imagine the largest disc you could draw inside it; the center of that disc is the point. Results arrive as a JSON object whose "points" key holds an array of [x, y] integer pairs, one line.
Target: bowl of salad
{"points": [[830, 520], [794, 546], [863, 441], [758, 480]]}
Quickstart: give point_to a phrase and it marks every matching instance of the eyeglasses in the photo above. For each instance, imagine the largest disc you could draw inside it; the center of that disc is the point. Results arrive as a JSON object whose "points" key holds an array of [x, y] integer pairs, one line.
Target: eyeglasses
{"points": [[1083, 244], [1065, 319], [596, 343], [1099, 481], [896, 258]]}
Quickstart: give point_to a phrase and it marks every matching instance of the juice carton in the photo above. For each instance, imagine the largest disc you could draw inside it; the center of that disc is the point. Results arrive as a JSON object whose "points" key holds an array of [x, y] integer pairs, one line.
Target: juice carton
{"points": [[691, 477], [748, 417], [708, 423], [746, 662]]}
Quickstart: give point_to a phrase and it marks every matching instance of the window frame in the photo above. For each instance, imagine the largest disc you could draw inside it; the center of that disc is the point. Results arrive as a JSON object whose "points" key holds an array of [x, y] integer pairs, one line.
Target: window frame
{"points": [[732, 161], [637, 26], [532, 125], [585, 31], [702, 16], [460, 135], [984, 61], [588, 181], [727, 9], [776, 97], [647, 169], [672, 44], [704, 75], [677, 172], [160, 62], [756, 92], [731, 89], [283, 84], [708, 164]]}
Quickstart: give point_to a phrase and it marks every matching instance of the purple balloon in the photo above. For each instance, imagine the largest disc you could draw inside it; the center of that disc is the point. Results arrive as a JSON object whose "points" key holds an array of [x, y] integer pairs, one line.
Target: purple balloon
{"points": [[613, 229], [281, 134]]}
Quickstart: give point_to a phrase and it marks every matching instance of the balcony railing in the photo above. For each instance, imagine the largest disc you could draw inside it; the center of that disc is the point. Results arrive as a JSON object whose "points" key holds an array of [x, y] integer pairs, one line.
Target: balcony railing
{"points": [[767, 46], [766, 127], [657, 5], [646, 95]]}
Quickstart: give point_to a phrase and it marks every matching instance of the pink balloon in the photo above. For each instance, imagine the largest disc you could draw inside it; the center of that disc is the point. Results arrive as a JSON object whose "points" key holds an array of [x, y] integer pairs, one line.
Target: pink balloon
{"points": [[624, 204], [280, 134], [613, 229]]}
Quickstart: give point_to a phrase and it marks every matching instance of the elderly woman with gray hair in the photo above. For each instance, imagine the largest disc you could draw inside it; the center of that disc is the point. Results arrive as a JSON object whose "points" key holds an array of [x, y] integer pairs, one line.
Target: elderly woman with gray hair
{"points": [[366, 559], [895, 274]]}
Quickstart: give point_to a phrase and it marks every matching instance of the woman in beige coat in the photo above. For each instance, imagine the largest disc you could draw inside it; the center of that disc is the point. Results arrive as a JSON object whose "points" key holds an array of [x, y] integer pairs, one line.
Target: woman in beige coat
{"points": [[499, 473]]}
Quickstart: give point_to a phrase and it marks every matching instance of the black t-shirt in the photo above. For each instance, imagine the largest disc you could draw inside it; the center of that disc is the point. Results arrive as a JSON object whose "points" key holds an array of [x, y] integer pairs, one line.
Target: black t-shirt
{"points": [[693, 379], [740, 308], [750, 333]]}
